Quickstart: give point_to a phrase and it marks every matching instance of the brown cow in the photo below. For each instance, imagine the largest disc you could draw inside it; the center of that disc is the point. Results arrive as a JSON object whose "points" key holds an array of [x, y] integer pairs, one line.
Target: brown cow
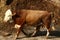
{"points": [[31, 17]]}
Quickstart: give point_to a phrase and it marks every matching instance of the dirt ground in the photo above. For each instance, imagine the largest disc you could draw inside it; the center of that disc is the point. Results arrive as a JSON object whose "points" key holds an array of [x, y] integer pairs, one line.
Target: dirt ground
{"points": [[53, 36], [40, 35]]}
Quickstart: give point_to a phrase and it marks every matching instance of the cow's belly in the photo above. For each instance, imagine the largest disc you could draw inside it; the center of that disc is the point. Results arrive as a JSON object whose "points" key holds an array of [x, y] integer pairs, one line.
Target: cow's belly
{"points": [[32, 18]]}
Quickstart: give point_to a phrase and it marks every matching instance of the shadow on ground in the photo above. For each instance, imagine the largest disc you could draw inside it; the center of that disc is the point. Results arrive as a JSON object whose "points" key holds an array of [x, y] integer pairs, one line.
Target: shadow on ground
{"points": [[43, 33]]}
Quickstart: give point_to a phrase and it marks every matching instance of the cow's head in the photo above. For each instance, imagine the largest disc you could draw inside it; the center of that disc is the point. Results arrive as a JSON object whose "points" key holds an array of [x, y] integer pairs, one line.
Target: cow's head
{"points": [[8, 15]]}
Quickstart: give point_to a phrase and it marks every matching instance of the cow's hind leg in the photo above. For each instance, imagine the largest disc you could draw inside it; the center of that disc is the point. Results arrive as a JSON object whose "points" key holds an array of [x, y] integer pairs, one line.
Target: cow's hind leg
{"points": [[47, 25], [48, 32], [37, 29], [33, 32]]}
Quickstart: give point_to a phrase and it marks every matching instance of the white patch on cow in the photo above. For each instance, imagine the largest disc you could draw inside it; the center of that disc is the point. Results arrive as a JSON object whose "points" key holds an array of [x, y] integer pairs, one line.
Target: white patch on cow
{"points": [[8, 15], [17, 26]]}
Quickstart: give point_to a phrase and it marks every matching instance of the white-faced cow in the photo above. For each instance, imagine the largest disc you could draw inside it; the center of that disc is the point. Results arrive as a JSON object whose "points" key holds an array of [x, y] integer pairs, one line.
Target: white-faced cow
{"points": [[31, 17]]}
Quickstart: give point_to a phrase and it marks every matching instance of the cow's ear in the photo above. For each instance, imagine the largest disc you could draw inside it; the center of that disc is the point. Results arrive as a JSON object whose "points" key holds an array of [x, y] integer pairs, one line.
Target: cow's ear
{"points": [[13, 14]]}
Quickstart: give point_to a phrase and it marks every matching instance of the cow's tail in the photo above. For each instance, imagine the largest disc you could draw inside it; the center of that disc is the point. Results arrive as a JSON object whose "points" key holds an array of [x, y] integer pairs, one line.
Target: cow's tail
{"points": [[52, 21]]}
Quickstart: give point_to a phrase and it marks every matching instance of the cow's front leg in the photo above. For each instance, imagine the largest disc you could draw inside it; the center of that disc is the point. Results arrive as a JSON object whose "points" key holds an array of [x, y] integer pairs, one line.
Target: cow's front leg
{"points": [[18, 27]]}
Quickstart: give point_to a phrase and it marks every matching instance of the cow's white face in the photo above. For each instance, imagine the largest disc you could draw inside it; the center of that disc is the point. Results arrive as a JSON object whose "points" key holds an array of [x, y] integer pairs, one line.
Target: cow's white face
{"points": [[8, 15]]}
